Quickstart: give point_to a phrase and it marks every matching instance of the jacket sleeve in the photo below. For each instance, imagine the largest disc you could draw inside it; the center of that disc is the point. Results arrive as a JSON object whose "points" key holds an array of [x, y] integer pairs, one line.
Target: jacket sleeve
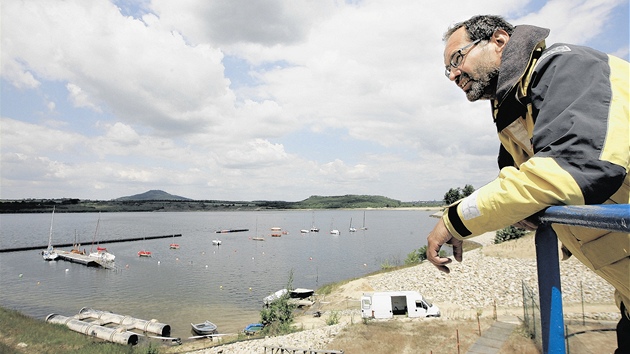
{"points": [[579, 101]]}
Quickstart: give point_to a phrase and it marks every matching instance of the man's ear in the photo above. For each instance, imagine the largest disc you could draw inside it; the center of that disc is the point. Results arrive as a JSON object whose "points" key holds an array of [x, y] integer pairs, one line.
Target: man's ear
{"points": [[500, 38]]}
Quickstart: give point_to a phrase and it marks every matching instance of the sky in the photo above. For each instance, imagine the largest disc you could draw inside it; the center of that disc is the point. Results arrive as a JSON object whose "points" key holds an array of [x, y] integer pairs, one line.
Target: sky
{"points": [[254, 100]]}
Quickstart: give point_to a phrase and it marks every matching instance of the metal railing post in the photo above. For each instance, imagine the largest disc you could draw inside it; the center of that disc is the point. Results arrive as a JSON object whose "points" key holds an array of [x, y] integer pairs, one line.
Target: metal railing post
{"points": [[611, 217], [550, 293]]}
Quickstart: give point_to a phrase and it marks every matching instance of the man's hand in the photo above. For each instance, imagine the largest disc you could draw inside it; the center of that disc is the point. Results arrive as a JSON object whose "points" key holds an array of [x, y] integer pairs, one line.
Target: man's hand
{"points": [[435, 240], [529, 224]]}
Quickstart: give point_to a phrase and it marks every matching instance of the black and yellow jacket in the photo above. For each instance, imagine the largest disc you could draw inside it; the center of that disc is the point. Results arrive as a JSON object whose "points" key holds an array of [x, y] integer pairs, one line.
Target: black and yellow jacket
{"points": [[562, 118]]}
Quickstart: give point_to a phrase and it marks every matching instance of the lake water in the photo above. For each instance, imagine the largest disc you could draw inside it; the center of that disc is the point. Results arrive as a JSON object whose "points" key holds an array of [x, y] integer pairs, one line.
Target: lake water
{"points": [[224, 284]]}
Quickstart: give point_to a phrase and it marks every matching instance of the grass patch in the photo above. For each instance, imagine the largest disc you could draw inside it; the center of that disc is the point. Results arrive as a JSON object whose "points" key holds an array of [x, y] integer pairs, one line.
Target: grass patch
{"points": [[422, 336]]}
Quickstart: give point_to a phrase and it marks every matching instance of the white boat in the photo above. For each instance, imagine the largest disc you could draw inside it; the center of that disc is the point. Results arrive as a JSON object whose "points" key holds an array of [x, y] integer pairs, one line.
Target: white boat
{"points": [[303, 231], [352, 229], [204, 328], [101, 253], [363, 227], [49, 253], [257, 238], [296, 296], [216, 242], [313, 228], [333, 231]]}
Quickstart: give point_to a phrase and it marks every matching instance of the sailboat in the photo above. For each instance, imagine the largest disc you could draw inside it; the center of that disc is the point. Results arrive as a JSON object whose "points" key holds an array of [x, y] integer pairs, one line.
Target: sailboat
{"points": [[363, 227], [256, 237], [352, 229], [76, 246], [313, 228], [101, 252], [49, 253], [332, 230]]}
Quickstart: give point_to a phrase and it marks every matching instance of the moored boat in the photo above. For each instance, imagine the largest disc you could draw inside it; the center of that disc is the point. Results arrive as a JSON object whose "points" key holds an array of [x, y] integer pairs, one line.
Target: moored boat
{"points": [[216, 242], [144, 253], [253, 328], [204, 328], [49, 254], [101, 253], [276, 232]]}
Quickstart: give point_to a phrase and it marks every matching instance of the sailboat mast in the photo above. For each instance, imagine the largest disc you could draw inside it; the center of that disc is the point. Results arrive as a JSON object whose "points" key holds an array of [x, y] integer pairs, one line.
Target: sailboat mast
{"points": [[95, 231], [52, 218]]}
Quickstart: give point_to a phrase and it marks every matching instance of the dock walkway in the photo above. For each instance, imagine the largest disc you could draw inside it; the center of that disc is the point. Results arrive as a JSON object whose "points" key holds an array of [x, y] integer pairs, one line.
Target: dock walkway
{"points": [[83, 259], [493, 339]]}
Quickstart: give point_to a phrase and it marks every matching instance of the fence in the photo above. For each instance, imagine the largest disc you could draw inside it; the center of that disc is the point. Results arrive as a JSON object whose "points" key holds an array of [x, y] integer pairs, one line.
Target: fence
{"points": [[612, 217], [531, 314]]}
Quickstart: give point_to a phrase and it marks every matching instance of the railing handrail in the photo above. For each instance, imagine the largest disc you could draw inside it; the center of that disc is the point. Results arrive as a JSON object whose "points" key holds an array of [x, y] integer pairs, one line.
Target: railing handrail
{"points": [[611, 217]]}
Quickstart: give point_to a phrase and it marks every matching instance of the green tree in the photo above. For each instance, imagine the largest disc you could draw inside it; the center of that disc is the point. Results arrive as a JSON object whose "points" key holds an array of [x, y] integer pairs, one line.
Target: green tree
{"points": [[468, 190], [453, 195]]}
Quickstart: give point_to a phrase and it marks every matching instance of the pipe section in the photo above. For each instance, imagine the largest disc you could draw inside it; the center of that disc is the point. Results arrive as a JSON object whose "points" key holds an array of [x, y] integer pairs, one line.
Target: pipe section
{"points": [[105, 317], [114, 335]]}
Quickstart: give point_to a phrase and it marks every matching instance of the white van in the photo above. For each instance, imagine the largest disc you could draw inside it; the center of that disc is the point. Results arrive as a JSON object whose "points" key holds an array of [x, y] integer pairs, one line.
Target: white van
{"points": [[386, 304]]}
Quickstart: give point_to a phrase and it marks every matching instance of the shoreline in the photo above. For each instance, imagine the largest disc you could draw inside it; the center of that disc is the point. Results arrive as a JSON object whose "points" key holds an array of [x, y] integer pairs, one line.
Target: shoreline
{"points": [[488, 283]]}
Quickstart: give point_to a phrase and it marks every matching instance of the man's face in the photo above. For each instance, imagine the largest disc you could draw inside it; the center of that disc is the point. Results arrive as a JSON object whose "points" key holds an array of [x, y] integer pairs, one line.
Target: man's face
{"points": [[476, 66]]}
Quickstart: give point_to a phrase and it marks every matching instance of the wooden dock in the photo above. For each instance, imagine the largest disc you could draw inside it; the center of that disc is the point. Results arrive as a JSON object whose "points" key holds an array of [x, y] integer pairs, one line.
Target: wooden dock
{"points": [[83, 259]]}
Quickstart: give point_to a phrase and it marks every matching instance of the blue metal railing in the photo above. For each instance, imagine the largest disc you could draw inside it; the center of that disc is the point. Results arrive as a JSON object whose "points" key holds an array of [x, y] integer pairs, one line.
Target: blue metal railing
{"points": [[612, 217]]}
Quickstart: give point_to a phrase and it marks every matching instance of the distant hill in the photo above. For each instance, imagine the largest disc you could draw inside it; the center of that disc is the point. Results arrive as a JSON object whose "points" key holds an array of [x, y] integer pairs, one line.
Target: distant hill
{"points": [[152, 195], [157, 200], [348, 201]]}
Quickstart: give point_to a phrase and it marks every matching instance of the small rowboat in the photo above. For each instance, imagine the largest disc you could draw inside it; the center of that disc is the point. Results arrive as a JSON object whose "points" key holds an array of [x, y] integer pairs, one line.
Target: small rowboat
{"points": [[144, 253], [204, 328], [253, 328], [174, 246]]}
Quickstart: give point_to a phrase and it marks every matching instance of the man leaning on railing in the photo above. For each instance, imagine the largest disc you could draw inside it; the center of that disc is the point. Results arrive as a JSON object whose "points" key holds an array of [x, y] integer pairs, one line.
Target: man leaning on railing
{"points": [[561, 113]]}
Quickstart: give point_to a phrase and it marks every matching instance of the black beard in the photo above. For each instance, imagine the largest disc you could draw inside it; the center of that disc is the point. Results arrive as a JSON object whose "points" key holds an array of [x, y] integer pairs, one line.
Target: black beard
{"points": [[484, 88]]}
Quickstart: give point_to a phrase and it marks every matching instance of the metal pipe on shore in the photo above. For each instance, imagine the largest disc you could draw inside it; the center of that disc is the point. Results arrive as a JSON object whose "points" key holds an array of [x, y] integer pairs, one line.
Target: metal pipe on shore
{"points": [[104, 317], [114, 335]]}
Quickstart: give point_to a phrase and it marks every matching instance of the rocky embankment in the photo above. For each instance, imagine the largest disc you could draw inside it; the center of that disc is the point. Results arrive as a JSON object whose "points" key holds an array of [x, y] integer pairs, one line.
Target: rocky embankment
{"points": [[483, 280]]}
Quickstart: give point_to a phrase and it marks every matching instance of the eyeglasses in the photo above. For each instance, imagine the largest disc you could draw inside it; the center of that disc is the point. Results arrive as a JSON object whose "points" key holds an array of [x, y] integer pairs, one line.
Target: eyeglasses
{"points": [[458, 57]]}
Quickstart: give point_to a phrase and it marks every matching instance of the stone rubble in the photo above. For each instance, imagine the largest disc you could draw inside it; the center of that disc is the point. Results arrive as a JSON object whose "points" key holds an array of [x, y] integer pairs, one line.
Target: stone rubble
{"points": [[308, 339]]}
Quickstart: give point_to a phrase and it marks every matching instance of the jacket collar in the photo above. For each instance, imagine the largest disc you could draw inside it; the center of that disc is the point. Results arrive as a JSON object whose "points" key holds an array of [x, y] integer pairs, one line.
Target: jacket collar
{"points": [[516, 57]]}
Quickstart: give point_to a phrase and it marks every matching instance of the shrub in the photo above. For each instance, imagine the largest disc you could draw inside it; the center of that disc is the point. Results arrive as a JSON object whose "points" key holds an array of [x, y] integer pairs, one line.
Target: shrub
{"points": [[509, 233], [278, 315], [419, 255], [333, 318]]}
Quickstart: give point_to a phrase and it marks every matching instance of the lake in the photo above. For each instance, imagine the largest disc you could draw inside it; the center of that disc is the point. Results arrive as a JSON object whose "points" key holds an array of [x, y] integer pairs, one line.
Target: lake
{"points": [[224, 284]]}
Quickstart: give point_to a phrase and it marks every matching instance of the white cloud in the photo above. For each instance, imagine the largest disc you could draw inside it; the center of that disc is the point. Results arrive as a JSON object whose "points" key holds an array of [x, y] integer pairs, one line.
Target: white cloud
{"points": [[152, 108]]}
